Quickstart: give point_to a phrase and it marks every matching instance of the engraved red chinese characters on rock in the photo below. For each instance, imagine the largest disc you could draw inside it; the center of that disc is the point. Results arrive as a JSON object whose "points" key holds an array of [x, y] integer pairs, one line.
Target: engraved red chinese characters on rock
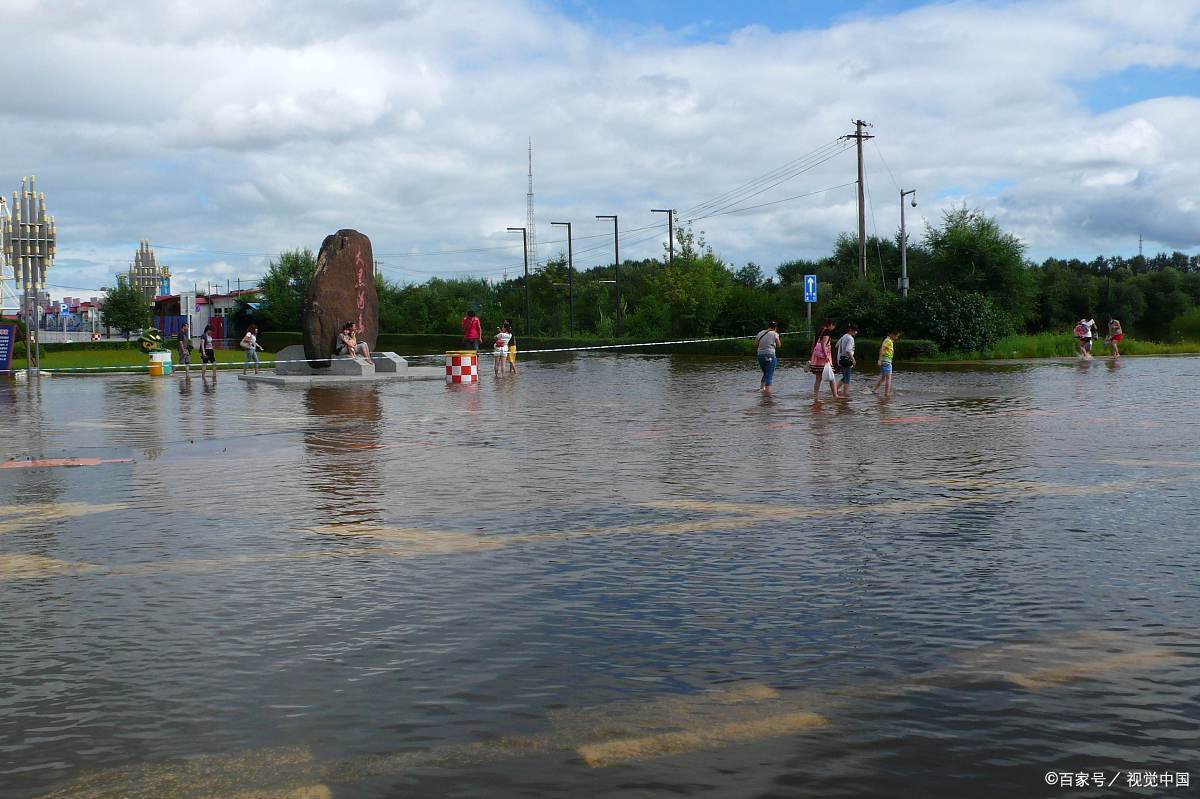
{"points": [[342, 290]]}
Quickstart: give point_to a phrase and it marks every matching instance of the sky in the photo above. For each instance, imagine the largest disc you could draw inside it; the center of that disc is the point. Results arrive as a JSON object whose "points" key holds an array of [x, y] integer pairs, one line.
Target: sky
{"points": [[224, 132]]}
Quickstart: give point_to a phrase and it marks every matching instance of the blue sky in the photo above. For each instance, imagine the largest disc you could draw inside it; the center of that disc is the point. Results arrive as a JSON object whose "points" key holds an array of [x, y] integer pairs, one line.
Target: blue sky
{"points": [[1138, 83], [265, 126], [706, 20]]}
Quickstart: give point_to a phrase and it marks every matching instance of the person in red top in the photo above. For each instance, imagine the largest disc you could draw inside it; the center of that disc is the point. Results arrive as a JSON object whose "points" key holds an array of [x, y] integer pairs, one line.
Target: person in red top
{"points": [[471, 331]]}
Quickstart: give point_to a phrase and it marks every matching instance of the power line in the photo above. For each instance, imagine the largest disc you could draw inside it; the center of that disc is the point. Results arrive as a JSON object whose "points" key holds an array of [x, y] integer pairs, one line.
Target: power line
{"points": [[879, 152], [765, 177]]}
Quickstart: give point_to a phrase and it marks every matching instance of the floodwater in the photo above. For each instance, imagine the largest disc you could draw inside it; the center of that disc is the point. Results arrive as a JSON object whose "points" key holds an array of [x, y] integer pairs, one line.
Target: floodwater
{"points": [[608, 576]]}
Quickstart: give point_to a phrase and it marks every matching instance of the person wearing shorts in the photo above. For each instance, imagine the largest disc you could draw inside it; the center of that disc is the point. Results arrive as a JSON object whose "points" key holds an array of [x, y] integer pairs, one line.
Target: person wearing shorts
{"points": [[500, 348], [1089, 333], [767, 341], [512, 347], [1115, 336], [820, 364], [887, 351]]}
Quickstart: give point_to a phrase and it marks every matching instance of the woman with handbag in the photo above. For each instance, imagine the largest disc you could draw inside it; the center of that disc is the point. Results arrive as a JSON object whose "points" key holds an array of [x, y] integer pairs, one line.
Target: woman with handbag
{"points": [[251, 346], [820, 363]]}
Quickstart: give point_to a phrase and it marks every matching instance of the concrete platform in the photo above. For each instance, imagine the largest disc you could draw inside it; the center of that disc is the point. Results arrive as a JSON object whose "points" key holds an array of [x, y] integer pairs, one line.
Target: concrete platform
{"points": [[412, 373]]}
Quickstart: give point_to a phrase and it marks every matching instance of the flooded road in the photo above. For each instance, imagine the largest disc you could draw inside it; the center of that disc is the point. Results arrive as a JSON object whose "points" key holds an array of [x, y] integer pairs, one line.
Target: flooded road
{"points": [[607, 576]]}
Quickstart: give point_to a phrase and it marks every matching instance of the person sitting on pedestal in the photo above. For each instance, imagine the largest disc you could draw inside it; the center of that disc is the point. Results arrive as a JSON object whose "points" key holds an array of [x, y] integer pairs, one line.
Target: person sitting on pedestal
{"points": [[348, 343]]}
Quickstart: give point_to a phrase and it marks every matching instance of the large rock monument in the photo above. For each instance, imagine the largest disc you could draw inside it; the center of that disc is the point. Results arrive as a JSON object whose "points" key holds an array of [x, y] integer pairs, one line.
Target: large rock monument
{"points": [[342, 290]]}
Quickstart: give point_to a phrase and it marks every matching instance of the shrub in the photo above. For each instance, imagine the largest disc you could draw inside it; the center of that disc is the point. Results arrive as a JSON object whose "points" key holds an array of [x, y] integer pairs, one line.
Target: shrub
{"points": [[1186, 326], [956, 320]]}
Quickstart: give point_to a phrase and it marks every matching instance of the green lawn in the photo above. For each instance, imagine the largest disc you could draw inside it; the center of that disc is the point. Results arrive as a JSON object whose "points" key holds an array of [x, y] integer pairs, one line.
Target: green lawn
{"points": [[131, 360], [1055, 345]]}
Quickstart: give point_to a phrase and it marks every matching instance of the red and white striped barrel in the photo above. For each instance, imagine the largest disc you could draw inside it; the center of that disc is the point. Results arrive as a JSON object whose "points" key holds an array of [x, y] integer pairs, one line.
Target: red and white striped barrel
{"points": [[462, 366]]}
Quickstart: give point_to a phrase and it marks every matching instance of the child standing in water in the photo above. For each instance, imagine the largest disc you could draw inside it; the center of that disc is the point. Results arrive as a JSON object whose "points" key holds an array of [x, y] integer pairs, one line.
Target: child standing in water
{"points": [[500, 348], [887, 351], [512, 347]]}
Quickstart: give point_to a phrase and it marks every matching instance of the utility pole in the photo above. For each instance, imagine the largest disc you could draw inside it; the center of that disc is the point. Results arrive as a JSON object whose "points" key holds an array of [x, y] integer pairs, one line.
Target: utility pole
{"points": [[616, 265], [570, 279], [670, 229], [859, 137], [1139, 245], [904, 241], [525, 247]]}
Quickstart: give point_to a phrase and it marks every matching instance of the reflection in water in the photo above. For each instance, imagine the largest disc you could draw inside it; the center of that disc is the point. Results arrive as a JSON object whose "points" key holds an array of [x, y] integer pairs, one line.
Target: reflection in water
{"points": [[342, 467], [614, 575]]}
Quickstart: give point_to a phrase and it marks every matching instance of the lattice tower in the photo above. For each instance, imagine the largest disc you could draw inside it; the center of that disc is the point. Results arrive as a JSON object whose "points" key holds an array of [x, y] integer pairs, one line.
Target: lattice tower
{"points": [[529, 216]]}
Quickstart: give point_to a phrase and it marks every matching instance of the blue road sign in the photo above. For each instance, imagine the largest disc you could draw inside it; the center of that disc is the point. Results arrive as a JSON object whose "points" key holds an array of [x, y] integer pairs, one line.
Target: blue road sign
{"points": [[810, 288]]}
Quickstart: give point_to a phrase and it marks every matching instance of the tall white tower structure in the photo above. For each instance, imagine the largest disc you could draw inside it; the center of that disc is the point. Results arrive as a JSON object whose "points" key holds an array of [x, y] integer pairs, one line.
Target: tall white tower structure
{"points": [[29, 243], [8, 297], [529, 221]]}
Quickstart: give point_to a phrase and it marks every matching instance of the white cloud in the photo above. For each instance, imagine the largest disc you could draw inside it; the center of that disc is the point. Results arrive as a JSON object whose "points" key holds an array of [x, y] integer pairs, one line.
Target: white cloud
{"points": [[253, 127]]}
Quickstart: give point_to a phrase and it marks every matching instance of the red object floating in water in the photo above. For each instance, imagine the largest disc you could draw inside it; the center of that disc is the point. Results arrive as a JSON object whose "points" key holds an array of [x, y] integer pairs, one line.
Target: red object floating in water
{"points": [[47, 462], [910, 419]]}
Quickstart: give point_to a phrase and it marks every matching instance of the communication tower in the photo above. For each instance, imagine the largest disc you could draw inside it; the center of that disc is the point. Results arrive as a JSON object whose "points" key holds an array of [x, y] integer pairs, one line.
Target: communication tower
{"points": [[529, 221]]}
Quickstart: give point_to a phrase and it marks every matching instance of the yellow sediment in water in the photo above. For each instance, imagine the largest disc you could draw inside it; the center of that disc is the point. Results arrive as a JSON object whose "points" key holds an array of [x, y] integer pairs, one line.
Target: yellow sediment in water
{"points": [[1051, 676], [401, 541], [306, 792], [18, 517], [1145, 464], [31, 567], [286, 772], [628, 731], [622, 750]]}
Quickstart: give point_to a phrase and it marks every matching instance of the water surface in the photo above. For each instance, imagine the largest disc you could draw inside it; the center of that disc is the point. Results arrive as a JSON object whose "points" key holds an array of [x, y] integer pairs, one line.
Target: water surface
{"points": [[607, 576]]}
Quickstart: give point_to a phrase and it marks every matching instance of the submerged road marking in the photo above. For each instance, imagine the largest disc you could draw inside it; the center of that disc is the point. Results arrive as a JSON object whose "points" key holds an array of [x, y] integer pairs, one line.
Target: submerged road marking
{"points": [[406, 542], [403, 541], [283, 772], [608, 753], [45, 463], [36, 513], [626, 731], [32, 567], [1061, 674], [1146, 464]]}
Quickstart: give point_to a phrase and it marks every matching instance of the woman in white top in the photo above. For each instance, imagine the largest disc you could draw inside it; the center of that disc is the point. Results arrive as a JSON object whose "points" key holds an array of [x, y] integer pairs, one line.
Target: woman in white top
{"points": [[500, 348], [767, 341], [251, 346]]}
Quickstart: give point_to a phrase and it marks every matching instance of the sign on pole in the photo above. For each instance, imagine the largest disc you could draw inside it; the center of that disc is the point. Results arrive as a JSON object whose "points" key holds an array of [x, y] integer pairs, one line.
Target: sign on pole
{"points": [[8, 337], [810, 288]]}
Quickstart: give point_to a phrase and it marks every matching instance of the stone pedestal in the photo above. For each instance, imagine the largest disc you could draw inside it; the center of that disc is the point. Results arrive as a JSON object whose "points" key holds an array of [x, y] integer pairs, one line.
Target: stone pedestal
{"points": [[342, 290]]}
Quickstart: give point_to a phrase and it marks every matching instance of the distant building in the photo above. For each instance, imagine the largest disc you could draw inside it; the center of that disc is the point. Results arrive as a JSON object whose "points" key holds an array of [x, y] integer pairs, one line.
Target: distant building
{"points": [[146, 274]]}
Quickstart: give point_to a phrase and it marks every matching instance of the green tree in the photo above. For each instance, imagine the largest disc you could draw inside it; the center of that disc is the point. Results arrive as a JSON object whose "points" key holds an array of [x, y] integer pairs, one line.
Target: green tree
{"points": [[282, 289], [970, 252], [693, 286], [126, 308]]}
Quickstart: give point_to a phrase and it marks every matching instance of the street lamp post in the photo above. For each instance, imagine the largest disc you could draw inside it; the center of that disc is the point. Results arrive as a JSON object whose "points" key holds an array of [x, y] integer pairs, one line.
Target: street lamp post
{"points": [[616, 265], [525, 247], [670, 229], [904, 241], [570, 279]]}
